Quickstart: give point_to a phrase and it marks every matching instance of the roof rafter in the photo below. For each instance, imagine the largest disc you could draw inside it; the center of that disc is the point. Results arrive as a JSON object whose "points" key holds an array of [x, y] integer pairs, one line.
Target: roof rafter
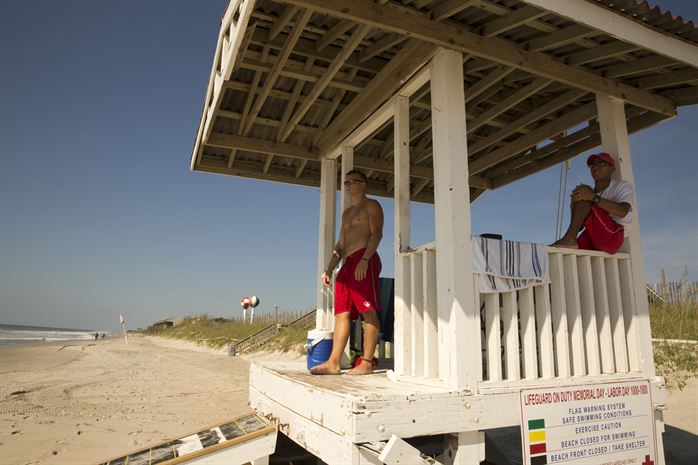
{"points": [[451, 37]]}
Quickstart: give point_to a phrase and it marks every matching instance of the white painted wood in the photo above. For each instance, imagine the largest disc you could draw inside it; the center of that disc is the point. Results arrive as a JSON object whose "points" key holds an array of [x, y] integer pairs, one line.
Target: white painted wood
{"points": [[614, 137], [559, 316], [347, 165], [623, 28], [588, 310], [417, 313], [431, 342], [402, 326], [467, 448], [615, 310], [326, 235], [322, 442], [510, 327], [574, 315], [459, 322], [478, 302], [603, 318], [399, 452], [492, 337], [255, 450], [625, 276], [544, 324], [528, 334]]}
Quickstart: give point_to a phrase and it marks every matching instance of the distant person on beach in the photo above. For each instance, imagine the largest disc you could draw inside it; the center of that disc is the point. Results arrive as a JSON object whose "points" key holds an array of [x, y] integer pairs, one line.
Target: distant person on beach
{"points": [[603, 211], [96, 336], [356, 288]]}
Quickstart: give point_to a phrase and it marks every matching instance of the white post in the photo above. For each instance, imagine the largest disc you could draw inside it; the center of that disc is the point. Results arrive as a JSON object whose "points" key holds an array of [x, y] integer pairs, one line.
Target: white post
{"points": [[328, 201], [614, 138], [402, 331], [347, 165], [459, 320]]}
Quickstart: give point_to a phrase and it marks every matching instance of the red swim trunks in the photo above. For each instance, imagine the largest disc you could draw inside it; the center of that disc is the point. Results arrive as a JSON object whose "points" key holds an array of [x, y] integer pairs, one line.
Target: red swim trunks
{"points": [[601, 232], [355, 296]]}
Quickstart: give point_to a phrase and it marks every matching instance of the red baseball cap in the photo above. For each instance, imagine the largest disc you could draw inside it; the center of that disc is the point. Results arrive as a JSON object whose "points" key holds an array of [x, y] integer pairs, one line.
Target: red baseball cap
{"points": [[601, 156]]}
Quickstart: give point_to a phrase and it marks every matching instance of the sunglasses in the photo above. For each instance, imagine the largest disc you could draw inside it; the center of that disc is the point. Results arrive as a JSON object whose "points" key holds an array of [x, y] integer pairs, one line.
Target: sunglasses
{"points": [[350, 182]]}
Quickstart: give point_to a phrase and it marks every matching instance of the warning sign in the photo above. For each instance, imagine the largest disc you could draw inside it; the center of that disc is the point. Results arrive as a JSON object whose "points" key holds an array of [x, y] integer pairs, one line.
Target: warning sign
{"points": [[593, 424]]}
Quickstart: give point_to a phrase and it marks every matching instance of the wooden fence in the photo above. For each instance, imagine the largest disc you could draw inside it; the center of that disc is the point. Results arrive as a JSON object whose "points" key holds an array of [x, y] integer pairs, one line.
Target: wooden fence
{"points": [[673, 292]]}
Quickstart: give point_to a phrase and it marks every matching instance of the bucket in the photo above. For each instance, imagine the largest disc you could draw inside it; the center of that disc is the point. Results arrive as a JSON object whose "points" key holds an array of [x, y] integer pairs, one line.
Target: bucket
{"points": [[319, 347]]}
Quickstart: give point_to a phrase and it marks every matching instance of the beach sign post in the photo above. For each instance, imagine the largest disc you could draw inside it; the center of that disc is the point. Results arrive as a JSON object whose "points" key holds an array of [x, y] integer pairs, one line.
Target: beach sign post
{"points": [[123, 326], [245, 304], [254, 301]]}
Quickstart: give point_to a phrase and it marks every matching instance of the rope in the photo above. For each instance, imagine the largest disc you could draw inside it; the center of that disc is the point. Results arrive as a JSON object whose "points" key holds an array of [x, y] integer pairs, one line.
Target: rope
{"points": [[564, 169]]}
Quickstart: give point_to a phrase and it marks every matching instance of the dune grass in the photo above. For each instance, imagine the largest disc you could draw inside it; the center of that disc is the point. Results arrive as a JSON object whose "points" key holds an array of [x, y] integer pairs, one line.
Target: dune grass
{"points": [[673, 322]]}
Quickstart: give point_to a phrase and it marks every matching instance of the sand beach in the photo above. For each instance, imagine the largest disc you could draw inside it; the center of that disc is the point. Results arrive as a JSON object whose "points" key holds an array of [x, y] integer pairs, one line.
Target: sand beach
{"points": [[82, 402]]}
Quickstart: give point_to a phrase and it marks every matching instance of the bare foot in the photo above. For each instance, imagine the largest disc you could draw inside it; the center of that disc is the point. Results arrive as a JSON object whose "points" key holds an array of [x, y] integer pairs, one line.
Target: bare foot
{"points": [[325, 369], [364, 368], [565, 244]]}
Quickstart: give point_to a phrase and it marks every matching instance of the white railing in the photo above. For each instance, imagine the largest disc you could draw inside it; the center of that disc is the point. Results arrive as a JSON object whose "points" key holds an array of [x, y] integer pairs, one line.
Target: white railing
{"points": [[581, 324]]}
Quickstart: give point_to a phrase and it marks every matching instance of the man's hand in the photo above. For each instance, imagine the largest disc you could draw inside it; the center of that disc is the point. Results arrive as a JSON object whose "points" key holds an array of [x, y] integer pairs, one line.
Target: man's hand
{"points": [[360, 271], [583, 192], [326, 279]]}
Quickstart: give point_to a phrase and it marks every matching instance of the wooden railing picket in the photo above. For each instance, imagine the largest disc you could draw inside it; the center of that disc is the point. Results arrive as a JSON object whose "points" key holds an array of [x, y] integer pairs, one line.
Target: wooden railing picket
{"points": [[528, 333], [417, 313], [588, 311], [493, 341], [510, 322], [431, 344], [559, 314], [615, 310], [629, 315], [544, 332], [603, 319]]}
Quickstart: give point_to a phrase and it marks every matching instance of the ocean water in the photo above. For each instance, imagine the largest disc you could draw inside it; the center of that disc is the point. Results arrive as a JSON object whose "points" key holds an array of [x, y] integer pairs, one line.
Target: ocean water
{"points": [[15, 334]]}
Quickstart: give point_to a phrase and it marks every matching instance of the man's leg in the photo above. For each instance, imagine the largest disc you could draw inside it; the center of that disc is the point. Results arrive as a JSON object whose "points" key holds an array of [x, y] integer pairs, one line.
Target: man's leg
{"points": [[339, 341], [580, 212], [371, 332]]}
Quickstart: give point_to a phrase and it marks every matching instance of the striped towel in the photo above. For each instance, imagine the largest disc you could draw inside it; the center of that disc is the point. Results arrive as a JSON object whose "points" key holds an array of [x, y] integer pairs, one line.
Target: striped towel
{"points": [[508, 265]]}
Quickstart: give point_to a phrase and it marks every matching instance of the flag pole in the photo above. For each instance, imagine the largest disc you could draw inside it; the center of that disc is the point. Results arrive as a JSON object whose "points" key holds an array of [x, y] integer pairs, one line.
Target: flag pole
{"points": [[123, 326]]}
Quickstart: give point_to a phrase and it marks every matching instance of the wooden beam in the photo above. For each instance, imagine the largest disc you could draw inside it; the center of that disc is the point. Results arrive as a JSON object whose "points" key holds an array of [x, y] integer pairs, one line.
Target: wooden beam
{"points": [[511, 20], [642, 65], [511, 149], [281, 23], [617, 25], [599, 52], [252, 144], [305, 76], [291, 104], [558, 38], [349, 47], [550, 107], [381, 45], [506, 103], [492, 48], [634, 125], [674, 78], [278, 67], [485, 83], [449, 8], [333, 34], [410, 58]]}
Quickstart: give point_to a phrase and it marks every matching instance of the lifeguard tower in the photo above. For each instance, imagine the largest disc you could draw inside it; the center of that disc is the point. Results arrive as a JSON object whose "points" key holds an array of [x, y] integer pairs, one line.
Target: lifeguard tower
{"points": [[440, 101]]}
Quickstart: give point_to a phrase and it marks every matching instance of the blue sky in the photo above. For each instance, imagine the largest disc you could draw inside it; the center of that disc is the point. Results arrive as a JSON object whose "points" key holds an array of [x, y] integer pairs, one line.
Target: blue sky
{"points": [[99, 106]]}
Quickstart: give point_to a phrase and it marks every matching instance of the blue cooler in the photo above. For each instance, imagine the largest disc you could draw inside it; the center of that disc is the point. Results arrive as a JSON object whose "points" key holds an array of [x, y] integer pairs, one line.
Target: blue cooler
{"points": [[319, 347]]}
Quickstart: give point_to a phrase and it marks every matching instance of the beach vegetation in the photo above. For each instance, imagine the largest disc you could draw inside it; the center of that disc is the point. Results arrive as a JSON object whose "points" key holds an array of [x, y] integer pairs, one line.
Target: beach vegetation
{"points": [[675, 341]]}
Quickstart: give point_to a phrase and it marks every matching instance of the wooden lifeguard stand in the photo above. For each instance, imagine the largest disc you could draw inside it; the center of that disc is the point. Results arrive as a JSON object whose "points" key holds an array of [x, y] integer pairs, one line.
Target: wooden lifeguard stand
{"points": [[440, 101]]}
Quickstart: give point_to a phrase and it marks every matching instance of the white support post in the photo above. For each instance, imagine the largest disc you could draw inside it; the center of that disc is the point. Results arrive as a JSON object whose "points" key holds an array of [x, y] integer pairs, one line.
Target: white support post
{"points": [[464, 448], [347, 165], [328, 201], [459, 321], [614, 138], [403, 331]]}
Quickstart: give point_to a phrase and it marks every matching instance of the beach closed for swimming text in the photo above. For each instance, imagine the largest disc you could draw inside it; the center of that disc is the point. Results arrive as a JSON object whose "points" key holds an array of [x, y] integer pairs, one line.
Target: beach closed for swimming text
{"points": [[592, 424]]}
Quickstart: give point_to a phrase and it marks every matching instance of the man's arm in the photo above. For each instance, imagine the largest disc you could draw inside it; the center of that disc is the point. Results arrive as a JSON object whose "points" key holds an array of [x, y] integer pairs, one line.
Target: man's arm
{"points": [[375, 224], [337, 254], [584, 192]]}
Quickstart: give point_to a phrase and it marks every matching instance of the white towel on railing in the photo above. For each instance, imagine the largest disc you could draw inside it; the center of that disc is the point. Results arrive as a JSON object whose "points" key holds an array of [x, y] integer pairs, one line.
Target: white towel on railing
{"points": [[508, 265]]}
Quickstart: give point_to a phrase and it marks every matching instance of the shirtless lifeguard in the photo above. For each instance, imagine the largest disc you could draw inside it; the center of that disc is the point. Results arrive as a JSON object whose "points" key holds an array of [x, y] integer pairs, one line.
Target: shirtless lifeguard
{"points": [[356, 286]]}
